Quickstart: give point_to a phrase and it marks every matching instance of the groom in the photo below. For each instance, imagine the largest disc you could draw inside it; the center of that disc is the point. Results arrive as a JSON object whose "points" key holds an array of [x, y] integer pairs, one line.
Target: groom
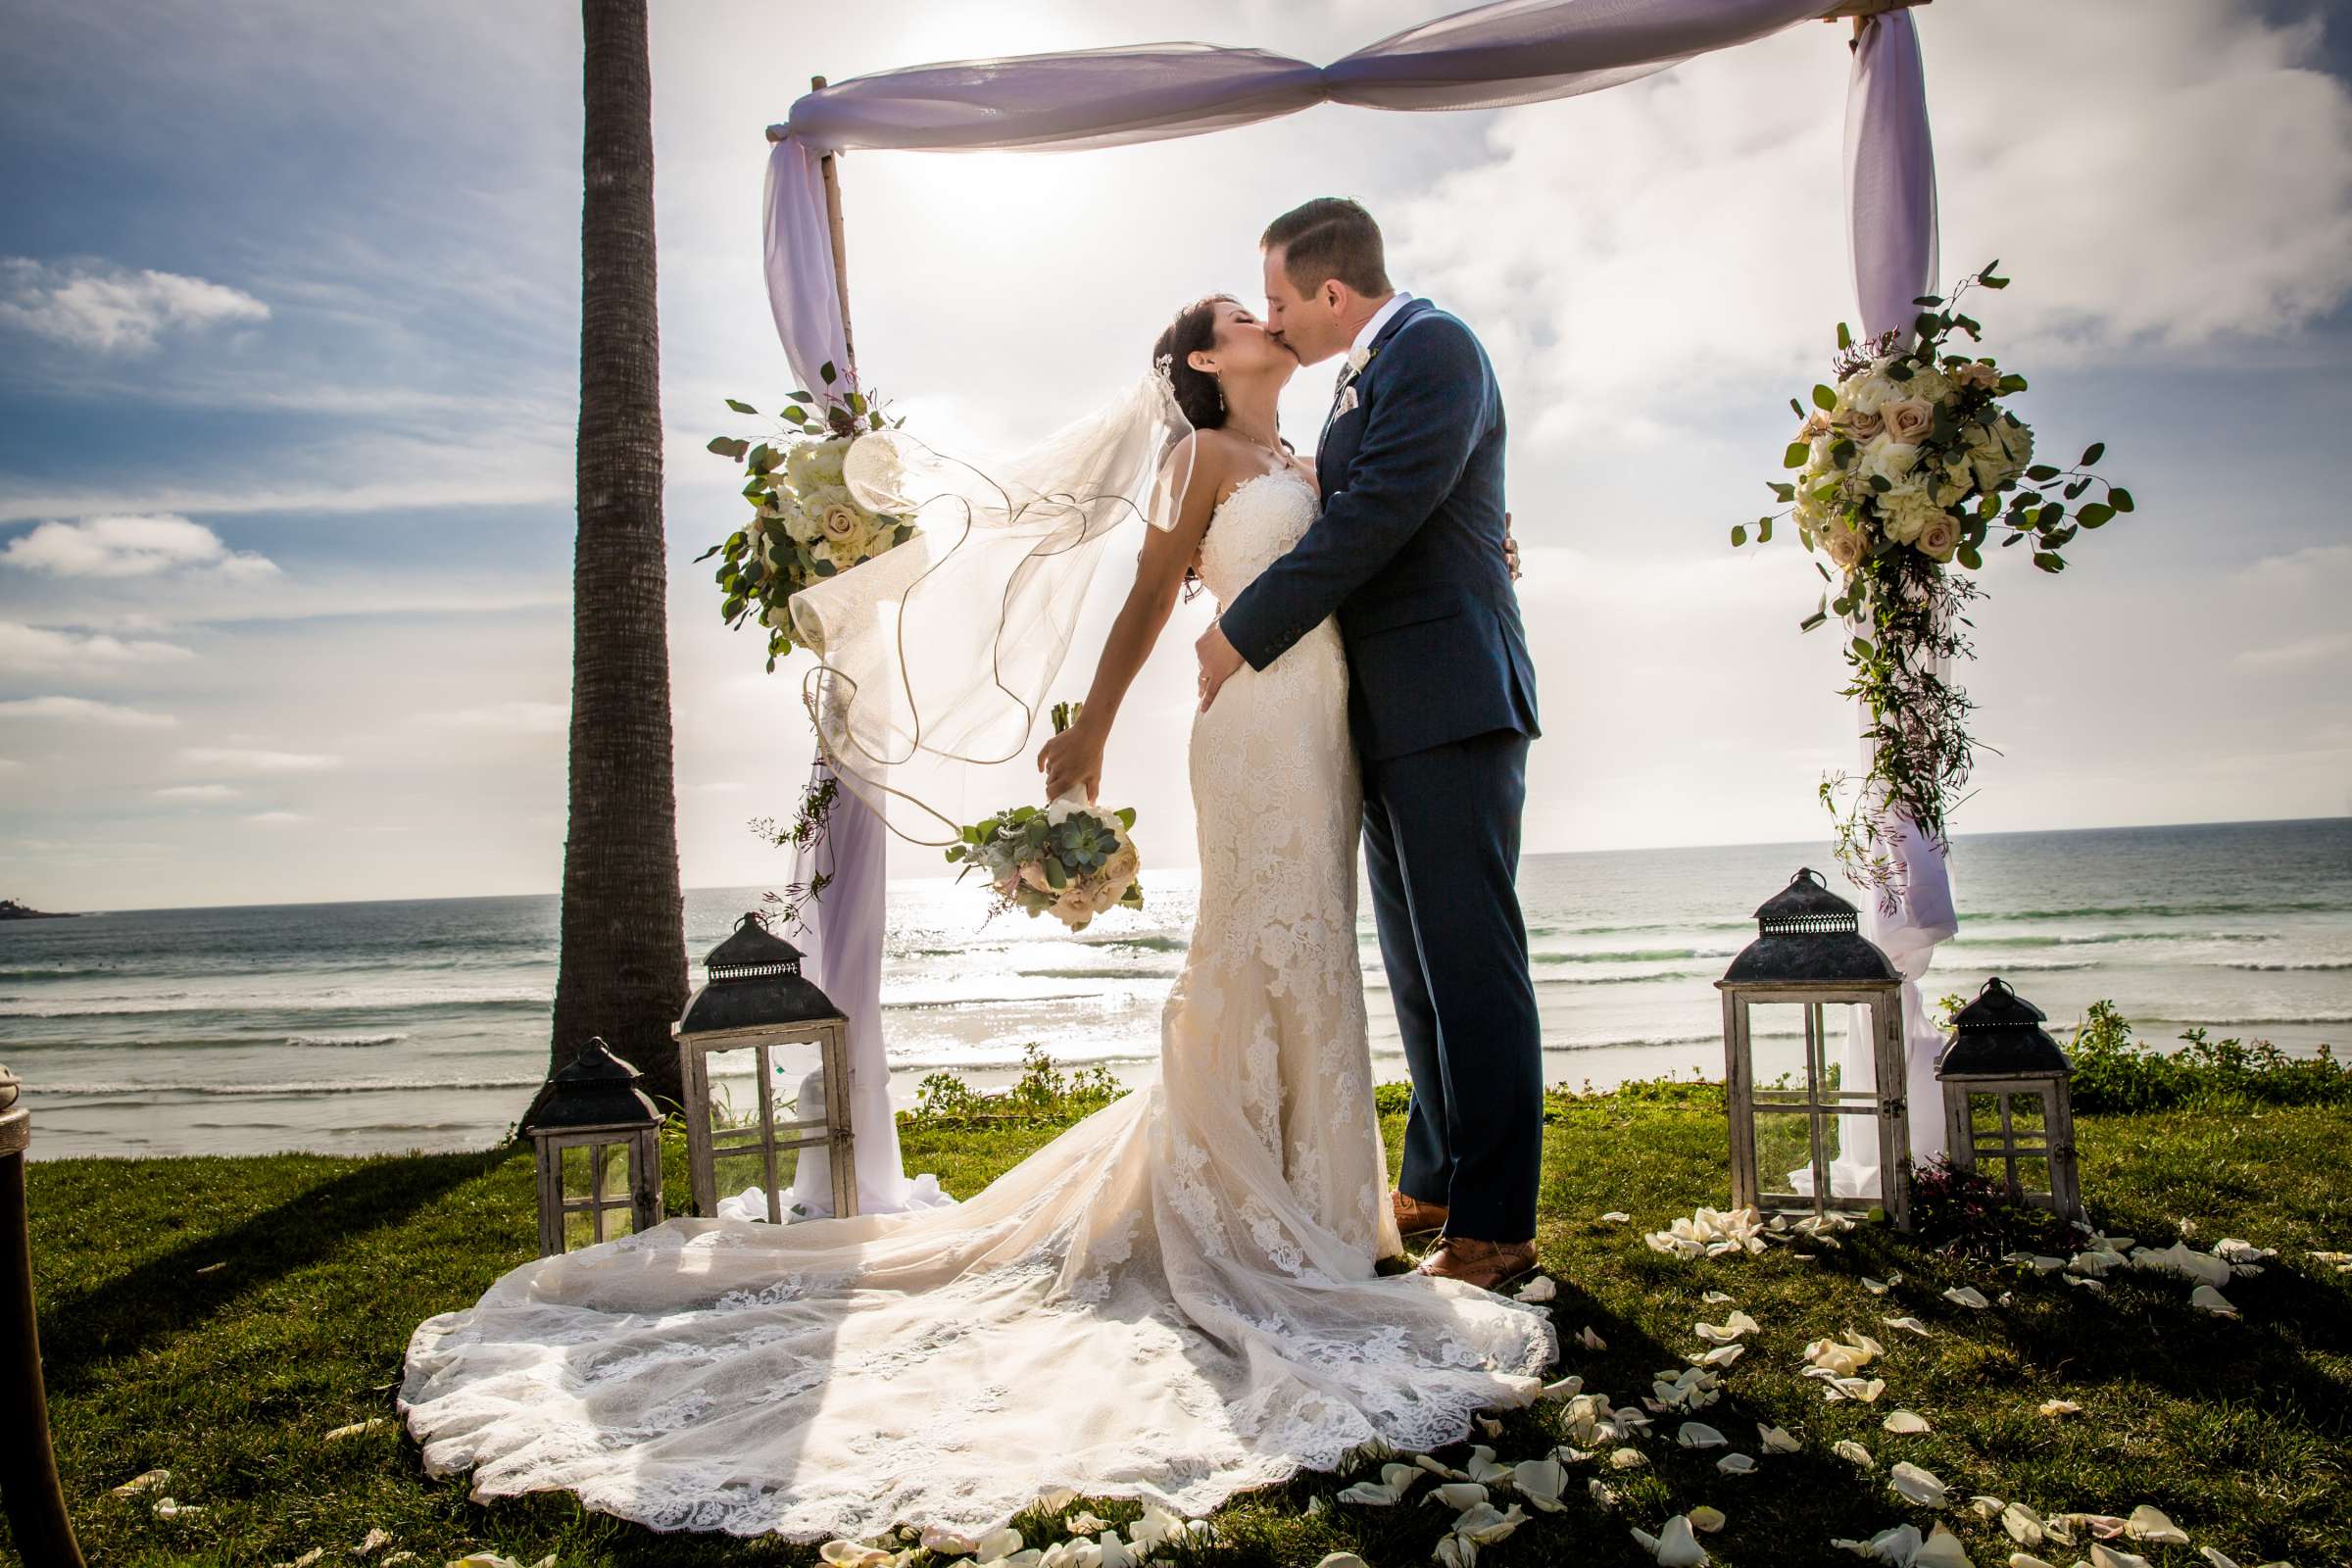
{"points": [[1409, 553]]}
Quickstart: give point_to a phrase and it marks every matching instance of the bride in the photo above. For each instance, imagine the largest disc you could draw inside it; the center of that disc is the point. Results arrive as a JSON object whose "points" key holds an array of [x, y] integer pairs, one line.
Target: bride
{"points": [[1173, 1300]]}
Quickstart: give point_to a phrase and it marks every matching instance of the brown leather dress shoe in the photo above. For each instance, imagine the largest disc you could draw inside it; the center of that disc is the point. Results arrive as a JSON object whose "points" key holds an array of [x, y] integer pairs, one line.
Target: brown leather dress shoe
{"points": [[1414, 1217], [1488, 1266]]}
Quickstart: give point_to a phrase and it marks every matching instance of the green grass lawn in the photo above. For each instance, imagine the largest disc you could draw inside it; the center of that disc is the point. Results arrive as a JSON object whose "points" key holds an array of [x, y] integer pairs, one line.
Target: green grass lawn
{"points": [[219, 1318]]}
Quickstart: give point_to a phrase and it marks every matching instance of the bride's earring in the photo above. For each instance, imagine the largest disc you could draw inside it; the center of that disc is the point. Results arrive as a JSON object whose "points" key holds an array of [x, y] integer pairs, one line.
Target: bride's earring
{"points": [[1220, 394]]}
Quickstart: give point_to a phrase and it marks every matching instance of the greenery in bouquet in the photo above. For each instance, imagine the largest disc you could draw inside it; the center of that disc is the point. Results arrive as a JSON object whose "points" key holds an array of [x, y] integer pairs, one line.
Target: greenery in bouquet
{"points": [[1070, 860], [805, 525], [1906, 468]]}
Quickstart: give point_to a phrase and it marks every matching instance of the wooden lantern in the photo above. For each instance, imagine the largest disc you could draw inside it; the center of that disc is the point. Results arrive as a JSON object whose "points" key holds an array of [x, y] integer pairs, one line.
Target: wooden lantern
{"points": [[1809, 951], [2003, 1064], [595, 1107], [756, 997]]}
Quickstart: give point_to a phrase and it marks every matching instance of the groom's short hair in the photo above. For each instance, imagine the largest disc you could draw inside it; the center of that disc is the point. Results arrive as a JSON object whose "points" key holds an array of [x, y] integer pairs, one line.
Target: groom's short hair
{"points": [[1330, 236]]}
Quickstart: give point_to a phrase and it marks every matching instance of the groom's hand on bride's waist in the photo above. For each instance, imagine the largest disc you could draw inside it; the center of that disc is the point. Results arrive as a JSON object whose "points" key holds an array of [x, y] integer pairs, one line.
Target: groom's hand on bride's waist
{"points": [[1510, 548], [1219, 661]]}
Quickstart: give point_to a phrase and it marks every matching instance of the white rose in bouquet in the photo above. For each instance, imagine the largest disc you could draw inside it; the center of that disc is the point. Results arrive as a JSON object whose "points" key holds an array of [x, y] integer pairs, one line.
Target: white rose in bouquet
{"points": [[1843, 545], [2017, 442], [1980, 375], [1867, 392], [801, 524], [1930, 385], [1889, 458]]}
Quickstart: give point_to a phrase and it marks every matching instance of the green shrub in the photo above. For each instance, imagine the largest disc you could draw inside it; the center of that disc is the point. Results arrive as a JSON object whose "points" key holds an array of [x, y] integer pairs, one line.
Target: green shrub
{"points": [[2115, 1072], [1044, 1093]]}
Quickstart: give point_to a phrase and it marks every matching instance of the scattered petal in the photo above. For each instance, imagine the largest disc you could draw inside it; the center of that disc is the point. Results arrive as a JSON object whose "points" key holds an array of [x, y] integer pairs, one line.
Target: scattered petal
{"points": [[357, 1427], [1603, 1494], [2184, 1261], [1084, 1523], [1490, 1426], [1909, 1325], [212, 1269], [1941, 1549], [1707, 1519], [2103, 1555], [1699, 1434], [942, 1539], [1455, 1552], [1966, 1295], [2149, 1524], [1396, 1480], [1591, 1340], [2055, 1408], [144, 1481], [1916, 1486], [1986, 1508], [1341, 1560], [2087, 1284], [1617, 1216], [1776, 1440], [1730, 1328], [372, 1542], [1718, 1297], [1674, 1545], [173, 1507], [1721, 1356], [1541, 1482], [1907, 1422], [1538, 1288], [1879, 1287], [1899, 1546], [2025, 1559], [2021, 1523], [1457, 1495], [1485, 1524], [1736, 1464], [2209, 1299], [1482, 1466], [1565, 1389], [1848, 1448], [1056, 1500], [1626, 1459]]}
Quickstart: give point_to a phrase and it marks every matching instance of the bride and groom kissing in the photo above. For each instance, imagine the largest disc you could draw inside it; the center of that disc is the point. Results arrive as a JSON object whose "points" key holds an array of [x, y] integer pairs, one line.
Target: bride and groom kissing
{"points": [[1404, 570], [1178, 1297]]}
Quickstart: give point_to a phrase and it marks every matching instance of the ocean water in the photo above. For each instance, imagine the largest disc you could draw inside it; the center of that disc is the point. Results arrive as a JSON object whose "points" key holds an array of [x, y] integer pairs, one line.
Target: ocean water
{"points": [[422, 1024]]}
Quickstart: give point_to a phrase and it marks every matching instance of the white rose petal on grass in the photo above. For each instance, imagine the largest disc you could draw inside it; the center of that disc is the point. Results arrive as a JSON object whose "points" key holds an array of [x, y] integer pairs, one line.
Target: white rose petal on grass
{"points": [[1435, 1467], [1916, 1486], [1985, 1508], [1341, 1560], [1848, 1448], [1941, 1549], [1485, 1524], [357, 1427], [2102, 1555], [2149, 1524], [1881, 1287], [1897, 1546], [1730, 1328], [850, 1554], [1846, 1356], [1565, 1389], [1862, 1390], [1457, 1495], [2184, 1261], [1541, 1482], [144, 1481], [1590, 1340], [2025, 1559], [1909, 1423], [1736, 1464], [2086, 1283], [1967, 1295], [1617, 1216], [939, 1538], [1396, 1480], [1087, 1524], [1056, 1500], [1453, 1551], [1538, 1288], [2021, 1524], [1776, 1440], [1909, 1325], [1626, 1459], [1717, 1298], [1699, 1434], [2206, 1299], [1482, 1466], [1674, 1545], [1707, 1519], [372, 1542], [173, 1507]]}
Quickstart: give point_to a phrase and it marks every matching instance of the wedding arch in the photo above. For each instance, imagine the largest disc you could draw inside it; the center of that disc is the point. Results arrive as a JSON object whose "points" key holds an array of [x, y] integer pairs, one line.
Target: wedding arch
{"points": [[1509, 53]]}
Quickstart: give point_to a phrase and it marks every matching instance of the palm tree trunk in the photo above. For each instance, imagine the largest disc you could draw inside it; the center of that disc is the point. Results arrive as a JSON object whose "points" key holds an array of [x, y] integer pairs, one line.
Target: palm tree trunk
{"points": [[621, 973]]}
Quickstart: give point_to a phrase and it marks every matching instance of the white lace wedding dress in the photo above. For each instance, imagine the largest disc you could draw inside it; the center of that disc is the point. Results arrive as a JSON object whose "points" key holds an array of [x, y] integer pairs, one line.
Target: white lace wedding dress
{"points": [[1175, 1299]]}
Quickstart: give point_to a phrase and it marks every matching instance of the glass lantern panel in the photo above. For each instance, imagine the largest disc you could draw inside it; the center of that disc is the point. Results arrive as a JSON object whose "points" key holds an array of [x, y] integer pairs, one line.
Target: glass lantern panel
{"points": [[793, 1070], [2034, 1176], [598, 1171], [1984, 1115], [2026, 1113]]}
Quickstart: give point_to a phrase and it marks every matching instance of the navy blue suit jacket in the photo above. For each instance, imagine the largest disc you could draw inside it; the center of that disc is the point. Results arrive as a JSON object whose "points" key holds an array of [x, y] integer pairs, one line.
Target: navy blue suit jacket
{"points": [[1409, 551]]}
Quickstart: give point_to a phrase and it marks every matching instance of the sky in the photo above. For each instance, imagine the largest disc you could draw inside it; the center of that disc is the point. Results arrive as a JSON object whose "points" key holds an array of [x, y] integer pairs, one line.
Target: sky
{"points": [[288, 374]]}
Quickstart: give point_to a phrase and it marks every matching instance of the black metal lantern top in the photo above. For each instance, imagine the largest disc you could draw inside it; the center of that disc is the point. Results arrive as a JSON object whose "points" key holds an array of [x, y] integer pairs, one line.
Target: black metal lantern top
{"points": [[597, 1090], [1999, 1034], [753, 980], [1808, 935]]}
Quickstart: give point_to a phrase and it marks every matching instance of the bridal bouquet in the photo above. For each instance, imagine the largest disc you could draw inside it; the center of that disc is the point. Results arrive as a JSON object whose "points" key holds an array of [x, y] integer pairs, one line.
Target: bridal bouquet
{"points": [[1904, 468], [1069, 859], [805, 525]]}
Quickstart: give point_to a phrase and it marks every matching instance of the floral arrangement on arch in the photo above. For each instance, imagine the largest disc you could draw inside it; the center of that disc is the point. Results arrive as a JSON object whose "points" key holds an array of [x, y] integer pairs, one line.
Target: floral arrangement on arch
{"points": [[1906, 468], [806, 524]]}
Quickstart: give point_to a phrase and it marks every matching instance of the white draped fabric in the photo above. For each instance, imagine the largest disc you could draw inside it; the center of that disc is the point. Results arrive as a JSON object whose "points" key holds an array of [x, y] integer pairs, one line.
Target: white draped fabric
{"points": [[1488, 57]]}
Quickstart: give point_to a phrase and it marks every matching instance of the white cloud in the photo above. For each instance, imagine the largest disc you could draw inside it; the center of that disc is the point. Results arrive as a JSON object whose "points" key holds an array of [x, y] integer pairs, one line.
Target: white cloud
{"points": [[131, 547], [1630, 255], [113, 310], [229, 760], [511, 718], [2298, 652], [24, 647], [276, 816], [9, 765], [198, 792], [82, 711]]}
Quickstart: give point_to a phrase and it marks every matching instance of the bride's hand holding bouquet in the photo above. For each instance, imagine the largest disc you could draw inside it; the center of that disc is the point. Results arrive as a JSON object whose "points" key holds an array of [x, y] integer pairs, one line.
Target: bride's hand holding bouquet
{"points": [[1070, 858]]}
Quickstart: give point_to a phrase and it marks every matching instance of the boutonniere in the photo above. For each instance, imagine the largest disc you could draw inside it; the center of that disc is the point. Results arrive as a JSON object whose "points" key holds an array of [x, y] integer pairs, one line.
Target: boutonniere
{"points": [[1357, 359], [1346, 402]]}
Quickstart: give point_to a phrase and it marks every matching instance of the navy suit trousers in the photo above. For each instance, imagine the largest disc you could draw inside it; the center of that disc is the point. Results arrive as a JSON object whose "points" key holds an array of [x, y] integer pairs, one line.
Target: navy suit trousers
{"points": [[1442, 849]]}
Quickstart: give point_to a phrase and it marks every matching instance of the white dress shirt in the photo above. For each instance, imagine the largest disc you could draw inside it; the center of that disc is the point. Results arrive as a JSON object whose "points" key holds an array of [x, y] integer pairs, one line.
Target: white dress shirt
{"points": [[1380, 318]]}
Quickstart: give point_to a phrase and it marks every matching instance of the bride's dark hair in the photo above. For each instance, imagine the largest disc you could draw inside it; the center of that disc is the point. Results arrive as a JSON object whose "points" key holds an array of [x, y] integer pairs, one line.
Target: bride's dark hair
{"points": [[1195, 328]]}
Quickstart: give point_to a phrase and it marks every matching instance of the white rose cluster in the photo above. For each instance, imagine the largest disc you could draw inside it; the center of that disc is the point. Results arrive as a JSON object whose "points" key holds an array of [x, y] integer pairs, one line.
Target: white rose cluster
{"points": [[1904, 459]]}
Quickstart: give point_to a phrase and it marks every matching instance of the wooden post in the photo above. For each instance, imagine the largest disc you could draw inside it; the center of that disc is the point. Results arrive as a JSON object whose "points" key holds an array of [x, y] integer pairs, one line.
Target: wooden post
{"points": [[841, 259]]}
